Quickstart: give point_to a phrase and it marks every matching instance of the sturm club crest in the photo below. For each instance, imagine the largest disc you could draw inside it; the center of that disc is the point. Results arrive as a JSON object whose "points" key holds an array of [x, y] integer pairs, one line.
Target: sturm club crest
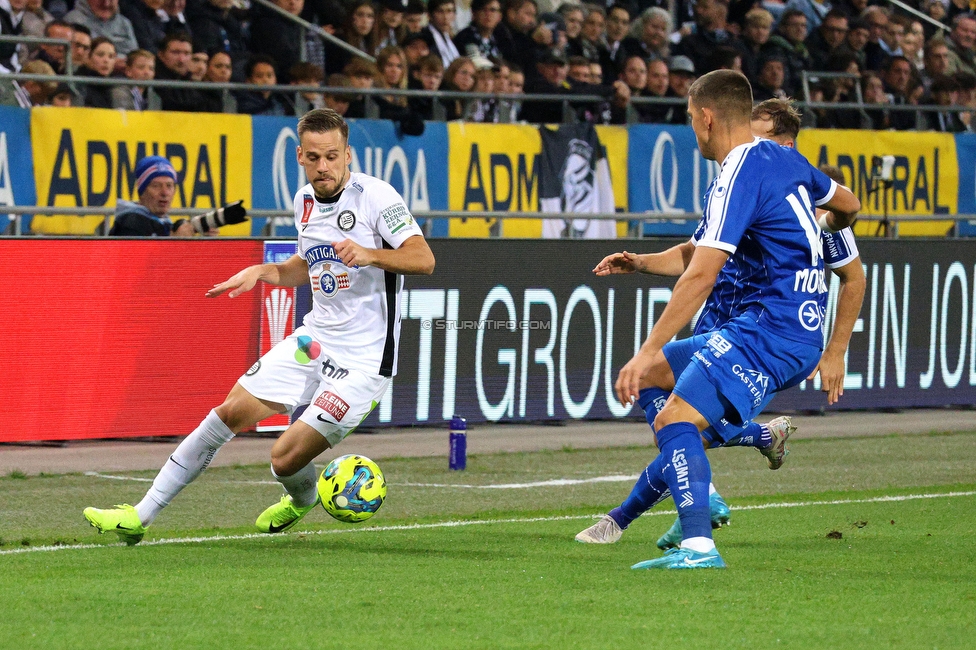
{"points": [[346, 220]]}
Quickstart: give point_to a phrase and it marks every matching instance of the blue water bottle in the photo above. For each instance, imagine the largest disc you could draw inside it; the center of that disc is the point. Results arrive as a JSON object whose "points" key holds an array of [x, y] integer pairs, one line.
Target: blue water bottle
{"points": [[458, 458]]}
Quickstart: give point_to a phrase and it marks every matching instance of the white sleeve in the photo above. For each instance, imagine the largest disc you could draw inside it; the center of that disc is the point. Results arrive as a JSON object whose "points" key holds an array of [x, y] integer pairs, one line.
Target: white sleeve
{"points": [[393, 220]]}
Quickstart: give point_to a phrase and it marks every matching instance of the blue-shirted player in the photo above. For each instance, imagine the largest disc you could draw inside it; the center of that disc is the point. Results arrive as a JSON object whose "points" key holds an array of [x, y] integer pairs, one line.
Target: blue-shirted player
{"points": [[760, 212], [777, 120]]}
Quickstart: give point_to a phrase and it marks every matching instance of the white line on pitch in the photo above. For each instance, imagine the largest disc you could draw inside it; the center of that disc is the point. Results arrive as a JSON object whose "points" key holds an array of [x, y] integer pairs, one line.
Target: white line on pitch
{"points": [[556, 482], [478, 522]]}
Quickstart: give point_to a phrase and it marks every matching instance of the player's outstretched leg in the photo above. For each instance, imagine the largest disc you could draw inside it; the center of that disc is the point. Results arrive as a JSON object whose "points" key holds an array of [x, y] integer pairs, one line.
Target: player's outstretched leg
{"points": [[720, 514], [191, 457]]}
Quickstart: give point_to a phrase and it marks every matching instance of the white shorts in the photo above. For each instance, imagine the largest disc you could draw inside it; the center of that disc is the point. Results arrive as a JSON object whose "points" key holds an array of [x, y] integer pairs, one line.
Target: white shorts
{"points": [[300, 371]]}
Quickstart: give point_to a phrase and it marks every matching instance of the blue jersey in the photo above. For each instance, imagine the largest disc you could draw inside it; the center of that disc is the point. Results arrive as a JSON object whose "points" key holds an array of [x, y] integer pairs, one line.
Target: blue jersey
{"points": [[839, 249], [760, 210]]}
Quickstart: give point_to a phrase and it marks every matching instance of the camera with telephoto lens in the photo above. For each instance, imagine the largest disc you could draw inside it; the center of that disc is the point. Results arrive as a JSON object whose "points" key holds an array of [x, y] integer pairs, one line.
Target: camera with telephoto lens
{"points": [[226, 216]]}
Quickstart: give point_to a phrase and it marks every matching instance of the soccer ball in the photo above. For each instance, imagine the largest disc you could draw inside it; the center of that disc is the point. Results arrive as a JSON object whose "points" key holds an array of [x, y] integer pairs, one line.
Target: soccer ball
{"points": [[352, 488]]}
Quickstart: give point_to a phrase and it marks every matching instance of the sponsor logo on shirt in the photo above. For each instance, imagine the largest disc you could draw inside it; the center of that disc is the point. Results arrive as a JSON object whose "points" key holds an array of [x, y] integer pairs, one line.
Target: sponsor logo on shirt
{"points": [[755, 381], [346, 220], [810, 315], [308, 204], [332, 404], [396, 217], [321, 253], [328, 282]]}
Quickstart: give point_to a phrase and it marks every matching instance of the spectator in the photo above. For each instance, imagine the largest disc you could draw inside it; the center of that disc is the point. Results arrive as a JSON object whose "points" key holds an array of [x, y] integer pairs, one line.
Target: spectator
{"points": [[173, 63], [550, 33], [876, 19], [962, 57], [63, 96], [415, 16], [752, 46], [199, 62], [520, 40], [572, 15], [27, 94], [619, 44], [55, 56], [260, 71], [101, 64], [215, 27], [634, 75], [827, 38], [769, 84], [657, 86], [911, 49], [482, 110], [787, 44], [890, 40], [590, 43], [596, 73], [459, 77], [944, 92], [428, 73], [326, 54], [139, 65], [11, 14], [858, 35], [814, 10], [219, 70], [102, 17], [937, 10], [479, 36], [438, 33], [711, 31], [172, 14], [652, 29], [414, 49], [305, 74], [681, 74], [389, 29], [362, 74], [391, 63], [34, 20], [579, 69], [511, 109], [897, 76], [337, 101], [842, 90], [872, 90], [147, 24], [967, 97], [276, 37], [725, 58], [81, 41]]}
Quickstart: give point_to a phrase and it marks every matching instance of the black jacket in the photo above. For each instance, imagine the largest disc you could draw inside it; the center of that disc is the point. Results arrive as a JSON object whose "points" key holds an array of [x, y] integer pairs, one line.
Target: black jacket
{"points": [[190, 100]]}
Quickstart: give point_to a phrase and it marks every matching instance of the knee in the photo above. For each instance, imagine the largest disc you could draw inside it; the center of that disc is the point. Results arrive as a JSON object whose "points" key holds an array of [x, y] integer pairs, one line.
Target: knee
{"points": [[285, 461], [230, 414]]}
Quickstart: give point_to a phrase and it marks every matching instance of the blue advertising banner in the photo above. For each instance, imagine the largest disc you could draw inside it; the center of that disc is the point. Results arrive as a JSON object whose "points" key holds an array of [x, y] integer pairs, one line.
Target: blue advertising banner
{"points": [[16, 163], [966, 163], [415, 166], [667, 173]]}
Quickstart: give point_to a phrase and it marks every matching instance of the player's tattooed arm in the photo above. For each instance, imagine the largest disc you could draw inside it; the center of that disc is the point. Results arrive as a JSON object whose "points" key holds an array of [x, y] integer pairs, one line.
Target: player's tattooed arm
{"points": [[671, 262], [414, 256], [849, 299], [292, 272]]}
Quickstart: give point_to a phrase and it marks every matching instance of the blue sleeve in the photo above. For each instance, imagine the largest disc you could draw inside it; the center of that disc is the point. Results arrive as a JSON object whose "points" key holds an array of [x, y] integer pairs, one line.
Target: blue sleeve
{"points": [[822, 187]]}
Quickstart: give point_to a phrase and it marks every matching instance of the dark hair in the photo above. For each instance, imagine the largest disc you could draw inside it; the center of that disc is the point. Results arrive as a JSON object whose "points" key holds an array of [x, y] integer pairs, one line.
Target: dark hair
{"points": [[966, 80], [323, 120], [174, 37], [835, 13], [893, 60], [78, 27], [840, 61], [430, 62], [255, 61], [726, 92], [783, 115], [723, 58], [944, 83], [433, 5], [101, 40], [791, 13], [306, 70], [834, 173], [56, 23]]}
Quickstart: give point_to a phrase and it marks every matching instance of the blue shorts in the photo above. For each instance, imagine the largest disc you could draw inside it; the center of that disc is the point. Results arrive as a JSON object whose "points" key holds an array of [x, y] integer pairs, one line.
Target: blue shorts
{"points": [[732, 373]]}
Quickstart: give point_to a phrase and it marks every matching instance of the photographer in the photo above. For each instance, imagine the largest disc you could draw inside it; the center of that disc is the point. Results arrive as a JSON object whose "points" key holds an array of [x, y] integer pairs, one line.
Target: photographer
{"points": [[156, 185]]}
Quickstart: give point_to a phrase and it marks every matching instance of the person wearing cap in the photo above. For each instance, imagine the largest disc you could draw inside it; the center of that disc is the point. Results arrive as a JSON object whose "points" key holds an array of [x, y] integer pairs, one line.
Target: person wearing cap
{"points": [[681, 74], [479, 37], [415, 49], [149, 216], [553, 69]]}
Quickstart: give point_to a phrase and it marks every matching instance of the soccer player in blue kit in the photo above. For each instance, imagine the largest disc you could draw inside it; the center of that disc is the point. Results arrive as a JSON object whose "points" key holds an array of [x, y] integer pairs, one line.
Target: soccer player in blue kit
{"points": [[779, 121], [760, 215]]}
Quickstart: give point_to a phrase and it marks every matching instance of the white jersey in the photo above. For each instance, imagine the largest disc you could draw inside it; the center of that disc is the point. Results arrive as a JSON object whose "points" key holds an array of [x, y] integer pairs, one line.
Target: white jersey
{"points": [[355, 311]]}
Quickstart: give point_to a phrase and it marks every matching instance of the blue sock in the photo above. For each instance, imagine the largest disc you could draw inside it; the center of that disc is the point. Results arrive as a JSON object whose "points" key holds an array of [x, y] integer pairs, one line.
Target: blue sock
{"points": [[688, 474], [652, 401], [649, 490], [753, 435]]}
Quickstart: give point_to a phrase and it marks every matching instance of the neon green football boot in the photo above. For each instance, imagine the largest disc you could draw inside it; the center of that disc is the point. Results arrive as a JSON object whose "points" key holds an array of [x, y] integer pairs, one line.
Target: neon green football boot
{"points": [[122, 520], [282, 516]]}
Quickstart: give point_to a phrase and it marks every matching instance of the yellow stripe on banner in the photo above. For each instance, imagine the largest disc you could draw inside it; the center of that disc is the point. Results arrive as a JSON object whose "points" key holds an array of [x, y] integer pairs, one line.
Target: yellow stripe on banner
{"points": [[493, 167], [926, 174], [616, 141], [87, 157]]}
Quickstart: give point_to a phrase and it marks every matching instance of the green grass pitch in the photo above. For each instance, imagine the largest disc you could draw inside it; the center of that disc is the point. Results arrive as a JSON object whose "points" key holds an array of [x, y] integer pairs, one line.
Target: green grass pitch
{"points": [[855, 543]]}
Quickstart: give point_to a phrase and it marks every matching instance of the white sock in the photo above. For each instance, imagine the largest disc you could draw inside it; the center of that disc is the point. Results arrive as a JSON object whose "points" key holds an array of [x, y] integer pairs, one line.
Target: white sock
{"points": [[302, 485], [698, 544], [711, 488], [191, 457]]}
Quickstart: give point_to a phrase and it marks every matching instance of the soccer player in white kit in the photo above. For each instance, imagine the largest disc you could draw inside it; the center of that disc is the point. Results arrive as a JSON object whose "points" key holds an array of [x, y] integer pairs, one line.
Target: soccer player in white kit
{"points": [[356, 239]]}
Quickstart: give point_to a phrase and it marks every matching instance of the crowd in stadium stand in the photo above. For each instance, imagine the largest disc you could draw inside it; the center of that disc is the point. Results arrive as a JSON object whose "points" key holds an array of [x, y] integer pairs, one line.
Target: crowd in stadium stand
{"points": [[615, 52]]}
